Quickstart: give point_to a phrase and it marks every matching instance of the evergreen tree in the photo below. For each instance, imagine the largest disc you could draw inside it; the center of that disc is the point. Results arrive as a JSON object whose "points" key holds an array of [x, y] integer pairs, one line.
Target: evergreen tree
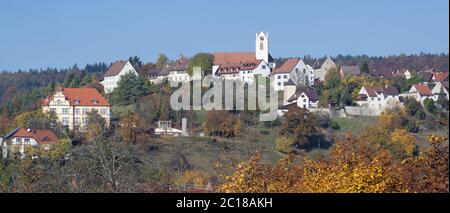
{"points": [[130, 88]]}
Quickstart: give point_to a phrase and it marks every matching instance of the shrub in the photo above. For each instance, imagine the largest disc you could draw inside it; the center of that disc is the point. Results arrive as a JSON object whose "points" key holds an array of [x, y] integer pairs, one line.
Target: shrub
{"points": [[335, 125], [284, 144]]}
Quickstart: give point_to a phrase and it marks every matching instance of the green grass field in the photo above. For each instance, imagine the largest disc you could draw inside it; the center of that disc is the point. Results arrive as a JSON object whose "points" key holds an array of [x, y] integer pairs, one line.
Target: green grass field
{"points": [[355, 124]]}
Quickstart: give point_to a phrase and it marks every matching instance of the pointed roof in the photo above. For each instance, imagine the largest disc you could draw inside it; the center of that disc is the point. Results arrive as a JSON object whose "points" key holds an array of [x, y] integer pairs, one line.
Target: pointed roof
{"points": [[309, 92], [81, 97], [290, 82], [423, 90], [42, 136], [115, 68], [235, 57], [440, 76], [350, 70], [287, 67]]}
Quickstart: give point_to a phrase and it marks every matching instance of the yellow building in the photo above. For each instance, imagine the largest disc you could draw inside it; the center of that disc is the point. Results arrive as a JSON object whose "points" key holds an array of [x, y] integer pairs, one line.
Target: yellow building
{"points": [[71, 106]]}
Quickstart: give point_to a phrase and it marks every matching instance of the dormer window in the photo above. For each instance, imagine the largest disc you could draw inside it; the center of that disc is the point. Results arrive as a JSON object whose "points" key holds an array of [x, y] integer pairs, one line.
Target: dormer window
{"points": [[94, 101]]}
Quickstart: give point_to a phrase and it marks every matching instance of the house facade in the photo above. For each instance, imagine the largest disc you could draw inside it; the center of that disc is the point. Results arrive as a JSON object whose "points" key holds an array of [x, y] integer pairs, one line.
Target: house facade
{"points": [[114, 73], [293, 69], [441, 87], [178, 71], [306, 98], [72, 105], [34, 137], [376, 98], [420, 92], [321, 69]]}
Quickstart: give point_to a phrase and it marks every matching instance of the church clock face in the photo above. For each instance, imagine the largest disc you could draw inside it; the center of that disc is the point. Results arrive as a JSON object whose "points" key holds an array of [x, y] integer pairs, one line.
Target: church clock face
{"points": [[261, 38]]}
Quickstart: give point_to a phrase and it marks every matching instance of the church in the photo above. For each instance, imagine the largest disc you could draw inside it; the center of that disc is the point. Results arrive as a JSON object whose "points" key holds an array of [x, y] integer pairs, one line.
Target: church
{"points": [[245, 65]]}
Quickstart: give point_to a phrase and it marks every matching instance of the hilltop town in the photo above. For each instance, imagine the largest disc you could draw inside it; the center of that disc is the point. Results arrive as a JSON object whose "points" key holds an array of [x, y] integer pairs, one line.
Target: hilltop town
{"points": [[117, 120]]}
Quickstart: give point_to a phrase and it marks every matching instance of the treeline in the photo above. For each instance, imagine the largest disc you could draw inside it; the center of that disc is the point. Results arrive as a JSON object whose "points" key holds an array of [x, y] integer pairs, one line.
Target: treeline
{"points": [[416, 62]]}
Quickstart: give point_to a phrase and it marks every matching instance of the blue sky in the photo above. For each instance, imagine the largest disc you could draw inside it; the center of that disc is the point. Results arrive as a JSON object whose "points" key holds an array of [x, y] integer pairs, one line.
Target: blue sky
{"points": [[56, 33]]}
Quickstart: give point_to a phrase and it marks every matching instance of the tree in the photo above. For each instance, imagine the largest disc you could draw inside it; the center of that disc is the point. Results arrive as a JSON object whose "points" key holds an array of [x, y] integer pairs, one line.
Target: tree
{"points": [[222, 123], [130, 88], [429, 105], [284, 144], [442, 101], [365, 68], [299, 123], [332, 78], [402, 143], [414, 108], [96, 126], [203, 60], [136, 62], [346, 97], [161, 61]]}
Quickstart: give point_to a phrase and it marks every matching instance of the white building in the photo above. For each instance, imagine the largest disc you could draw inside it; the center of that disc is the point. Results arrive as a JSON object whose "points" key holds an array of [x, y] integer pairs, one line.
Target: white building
{"points": [[293, 69], [178, 71], [245, 65], [441, 87], [114, 73], [245, 71], [306, 98], [157, 76], [376, 98], [321, 69], [420, 92]]}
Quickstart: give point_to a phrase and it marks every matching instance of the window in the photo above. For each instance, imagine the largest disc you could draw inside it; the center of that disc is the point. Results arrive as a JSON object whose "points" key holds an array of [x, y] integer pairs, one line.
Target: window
{"points": [[53, 110], [77, 120], [263, 67], [85, 110], [371, 99], [18, 140], [304, 106], [296, 69], [27, 140], [77, 111], [58, 102], [65, 120], [303, 96], [65, 111], [304, 70], [284, 76], [103, 111], [379, 99], [279, 77], [279, 83]]}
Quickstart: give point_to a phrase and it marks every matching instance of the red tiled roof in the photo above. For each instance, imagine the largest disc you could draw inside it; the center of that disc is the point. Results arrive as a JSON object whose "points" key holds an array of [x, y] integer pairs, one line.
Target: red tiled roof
{"points": [[81, 97], [41, 136], [233, 57], [423, 90], [440, 76], [228, 68], [287, 67], [115, 68]]}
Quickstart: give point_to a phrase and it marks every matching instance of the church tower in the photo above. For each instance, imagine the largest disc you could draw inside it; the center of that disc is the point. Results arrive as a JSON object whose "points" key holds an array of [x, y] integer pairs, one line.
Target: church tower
{"points": [[262, 46]]}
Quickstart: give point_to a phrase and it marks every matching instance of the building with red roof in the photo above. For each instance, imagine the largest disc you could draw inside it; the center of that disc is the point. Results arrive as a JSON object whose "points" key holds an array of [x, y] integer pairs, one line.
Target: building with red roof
{"points": [[72, 105], [245, 65]]}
